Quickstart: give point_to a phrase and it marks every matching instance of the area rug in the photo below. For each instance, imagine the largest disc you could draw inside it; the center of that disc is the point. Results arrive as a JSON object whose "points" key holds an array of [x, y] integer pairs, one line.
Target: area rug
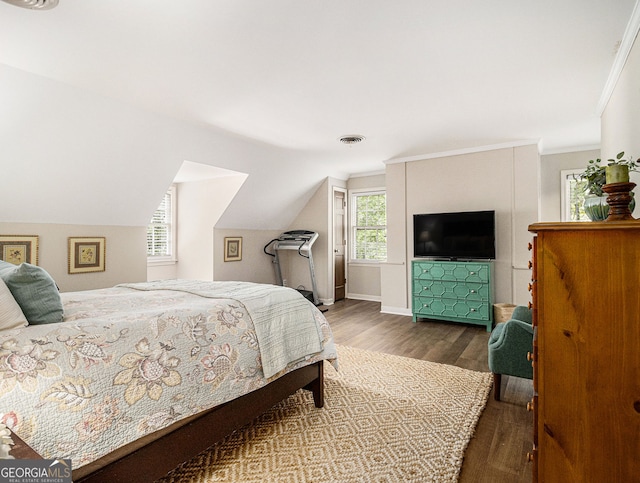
{"points": [[386, 419]]}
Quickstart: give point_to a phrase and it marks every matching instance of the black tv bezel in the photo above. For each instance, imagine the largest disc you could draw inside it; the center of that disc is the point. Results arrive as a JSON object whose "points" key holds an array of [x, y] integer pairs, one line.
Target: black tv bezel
{"points": [[456, 256]]}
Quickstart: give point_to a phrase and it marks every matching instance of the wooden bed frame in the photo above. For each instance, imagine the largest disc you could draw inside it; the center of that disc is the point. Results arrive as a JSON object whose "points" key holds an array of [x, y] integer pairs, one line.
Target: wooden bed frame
{"points": [[155, 459]]}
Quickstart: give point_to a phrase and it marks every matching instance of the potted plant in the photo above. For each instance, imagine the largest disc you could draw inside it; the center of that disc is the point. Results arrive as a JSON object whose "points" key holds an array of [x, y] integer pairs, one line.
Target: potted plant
{"points": [[596, 175]]}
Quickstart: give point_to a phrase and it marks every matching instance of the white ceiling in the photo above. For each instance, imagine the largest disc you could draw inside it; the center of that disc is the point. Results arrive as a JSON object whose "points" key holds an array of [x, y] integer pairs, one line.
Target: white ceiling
{"points": [[413, 76]]}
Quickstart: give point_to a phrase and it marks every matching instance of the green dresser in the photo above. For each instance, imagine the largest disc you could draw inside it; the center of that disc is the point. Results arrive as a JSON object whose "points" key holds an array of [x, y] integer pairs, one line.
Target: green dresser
{"points": [[453, 291]]}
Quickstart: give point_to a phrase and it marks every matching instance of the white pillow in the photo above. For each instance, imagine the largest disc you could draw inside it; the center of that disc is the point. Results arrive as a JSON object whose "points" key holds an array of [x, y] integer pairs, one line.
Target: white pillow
{"points": [[11, 315]]}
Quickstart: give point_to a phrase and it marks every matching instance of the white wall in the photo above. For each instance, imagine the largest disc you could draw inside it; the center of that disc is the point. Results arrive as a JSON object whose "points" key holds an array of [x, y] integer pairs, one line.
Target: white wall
{"points": [[525, 209], [621, 117], [316, 216], [550, 186], [393, 273], [201, 246], [504, 180], [125, 258], [363, 279], [200, 206], [255, 265], [98, 161]]}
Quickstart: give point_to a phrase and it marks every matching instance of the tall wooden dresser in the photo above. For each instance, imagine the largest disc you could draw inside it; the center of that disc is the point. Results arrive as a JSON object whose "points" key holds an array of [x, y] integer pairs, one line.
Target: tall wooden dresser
{"points": [[586, 352]]}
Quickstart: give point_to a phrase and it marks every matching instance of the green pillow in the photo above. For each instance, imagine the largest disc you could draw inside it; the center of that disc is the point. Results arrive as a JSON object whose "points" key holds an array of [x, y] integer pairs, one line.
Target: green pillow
{"points": [[34, 290]]}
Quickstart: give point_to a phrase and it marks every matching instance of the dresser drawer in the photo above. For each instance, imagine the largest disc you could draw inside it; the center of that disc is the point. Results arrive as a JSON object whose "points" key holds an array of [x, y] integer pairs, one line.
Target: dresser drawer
{"points": [[451, 271], [451, 289], [455, 291], [451, 308]]}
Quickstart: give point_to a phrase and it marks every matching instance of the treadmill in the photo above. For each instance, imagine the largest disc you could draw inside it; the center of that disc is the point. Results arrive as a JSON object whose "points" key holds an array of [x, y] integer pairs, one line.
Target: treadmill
{"points": [[301, 241]]}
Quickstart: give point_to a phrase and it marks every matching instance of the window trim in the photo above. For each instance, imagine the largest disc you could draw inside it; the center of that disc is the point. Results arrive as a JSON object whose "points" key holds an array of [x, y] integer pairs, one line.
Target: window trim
{"points": [[353, 194], [565, 195], [156, 260]]}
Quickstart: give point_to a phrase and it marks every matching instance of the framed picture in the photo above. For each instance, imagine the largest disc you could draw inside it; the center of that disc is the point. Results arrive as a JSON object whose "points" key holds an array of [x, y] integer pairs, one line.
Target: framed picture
{"points": [[233, 249], [19, 249], [86, 254]]}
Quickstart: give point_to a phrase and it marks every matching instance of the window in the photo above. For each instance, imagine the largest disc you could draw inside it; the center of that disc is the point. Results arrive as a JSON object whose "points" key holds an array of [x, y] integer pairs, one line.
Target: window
{"points": [[573, 191], [369, 225], [161, 230]]}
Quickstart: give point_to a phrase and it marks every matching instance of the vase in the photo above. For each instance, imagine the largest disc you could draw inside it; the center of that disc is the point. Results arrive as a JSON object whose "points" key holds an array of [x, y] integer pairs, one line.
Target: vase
{"points": [[597, 208]]}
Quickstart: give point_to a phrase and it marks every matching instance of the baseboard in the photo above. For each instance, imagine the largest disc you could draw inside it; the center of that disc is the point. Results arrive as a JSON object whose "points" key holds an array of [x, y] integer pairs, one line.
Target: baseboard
{"points": [[396, 310], [369, 298]]}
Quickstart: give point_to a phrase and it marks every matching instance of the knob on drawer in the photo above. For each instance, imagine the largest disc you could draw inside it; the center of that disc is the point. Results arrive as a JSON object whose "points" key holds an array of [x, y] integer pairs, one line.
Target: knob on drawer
{"points": [[530, 305], [529, 264], [530, 457], [530, 287], [530, 405], [529, 356], [529, 246]]}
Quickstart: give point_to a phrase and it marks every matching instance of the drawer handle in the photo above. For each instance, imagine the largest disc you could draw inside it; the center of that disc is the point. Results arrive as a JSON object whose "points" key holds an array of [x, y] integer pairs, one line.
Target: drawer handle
{"points": [[529, 246], [473, 310], [530, 287], [425, 270], [473, 291], [530, 305], [530, 406], [425, 305], [530, 265], [529, 356], [472, 273], [530, 457]]}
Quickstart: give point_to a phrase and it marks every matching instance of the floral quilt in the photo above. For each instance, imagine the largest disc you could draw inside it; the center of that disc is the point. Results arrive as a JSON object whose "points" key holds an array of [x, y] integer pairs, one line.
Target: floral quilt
{"points": [[125, 363]]}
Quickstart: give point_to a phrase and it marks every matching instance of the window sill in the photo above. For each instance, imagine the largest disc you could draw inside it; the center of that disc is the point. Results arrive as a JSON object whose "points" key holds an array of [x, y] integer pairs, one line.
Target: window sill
{"points": [[159, 263], [366, 263]]}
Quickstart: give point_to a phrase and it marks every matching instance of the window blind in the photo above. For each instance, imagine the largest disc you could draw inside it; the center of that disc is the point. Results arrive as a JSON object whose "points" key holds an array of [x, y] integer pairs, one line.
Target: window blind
{"points": [[160, 229], [369, 227]]}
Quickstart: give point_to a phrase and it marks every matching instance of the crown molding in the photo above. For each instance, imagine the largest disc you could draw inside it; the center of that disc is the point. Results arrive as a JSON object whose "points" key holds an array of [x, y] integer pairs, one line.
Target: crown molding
{"points": [[368, 173], [574, 149], [457, 152], [629, 37]]}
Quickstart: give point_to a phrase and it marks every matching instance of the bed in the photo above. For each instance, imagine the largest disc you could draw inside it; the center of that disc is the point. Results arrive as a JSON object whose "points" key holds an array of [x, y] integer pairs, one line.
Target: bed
{"points": [[140, 377]]}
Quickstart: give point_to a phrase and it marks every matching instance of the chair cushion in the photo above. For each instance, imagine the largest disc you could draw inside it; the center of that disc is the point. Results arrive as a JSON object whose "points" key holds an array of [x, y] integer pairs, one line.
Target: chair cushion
{"points": [[507, 349], [496, 332], [35, 292], [523, 314]]}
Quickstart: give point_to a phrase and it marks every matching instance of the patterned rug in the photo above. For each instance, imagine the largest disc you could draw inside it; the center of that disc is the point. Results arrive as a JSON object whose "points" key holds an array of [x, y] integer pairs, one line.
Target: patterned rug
{"points": [[386, 419]]}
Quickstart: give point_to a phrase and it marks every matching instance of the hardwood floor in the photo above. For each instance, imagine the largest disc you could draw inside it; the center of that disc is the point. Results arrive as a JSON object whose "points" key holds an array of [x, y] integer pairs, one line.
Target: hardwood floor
{"points": [[504, 435]]}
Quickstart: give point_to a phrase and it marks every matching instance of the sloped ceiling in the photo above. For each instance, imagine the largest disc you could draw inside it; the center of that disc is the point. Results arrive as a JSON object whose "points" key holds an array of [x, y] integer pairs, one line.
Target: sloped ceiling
{"points": [[266, 88]]}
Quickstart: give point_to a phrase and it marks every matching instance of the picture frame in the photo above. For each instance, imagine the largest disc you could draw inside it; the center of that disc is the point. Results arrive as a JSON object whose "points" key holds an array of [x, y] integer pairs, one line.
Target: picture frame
{"points": [[87, 254], [233, 249], [19, 249]]}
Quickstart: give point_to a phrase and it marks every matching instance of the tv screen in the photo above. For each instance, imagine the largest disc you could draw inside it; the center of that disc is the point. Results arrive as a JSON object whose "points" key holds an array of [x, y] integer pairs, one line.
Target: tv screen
{"points": [[464, 235]]}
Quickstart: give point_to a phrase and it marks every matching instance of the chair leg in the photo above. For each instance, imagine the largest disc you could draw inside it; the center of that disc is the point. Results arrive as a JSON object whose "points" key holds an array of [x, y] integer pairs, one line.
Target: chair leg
{"points": [[497, 379]]}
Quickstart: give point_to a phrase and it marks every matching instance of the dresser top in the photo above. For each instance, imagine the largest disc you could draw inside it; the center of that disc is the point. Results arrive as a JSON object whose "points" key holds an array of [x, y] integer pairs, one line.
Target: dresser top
{"points": [[585, 226]]}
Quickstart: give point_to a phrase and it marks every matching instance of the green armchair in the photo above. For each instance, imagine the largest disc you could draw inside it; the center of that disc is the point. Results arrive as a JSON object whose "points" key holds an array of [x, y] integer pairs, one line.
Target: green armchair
{"points": [[509, 344]]}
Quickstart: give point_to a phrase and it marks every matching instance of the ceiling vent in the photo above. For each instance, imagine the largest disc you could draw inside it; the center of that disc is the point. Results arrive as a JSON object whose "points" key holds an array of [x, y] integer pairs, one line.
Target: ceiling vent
{"points": [[352, 139], [34, 4]]}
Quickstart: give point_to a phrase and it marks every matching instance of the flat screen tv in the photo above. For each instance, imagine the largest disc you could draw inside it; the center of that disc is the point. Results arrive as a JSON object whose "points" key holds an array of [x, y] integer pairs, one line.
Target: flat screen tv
{"points": [[467, 235]]}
